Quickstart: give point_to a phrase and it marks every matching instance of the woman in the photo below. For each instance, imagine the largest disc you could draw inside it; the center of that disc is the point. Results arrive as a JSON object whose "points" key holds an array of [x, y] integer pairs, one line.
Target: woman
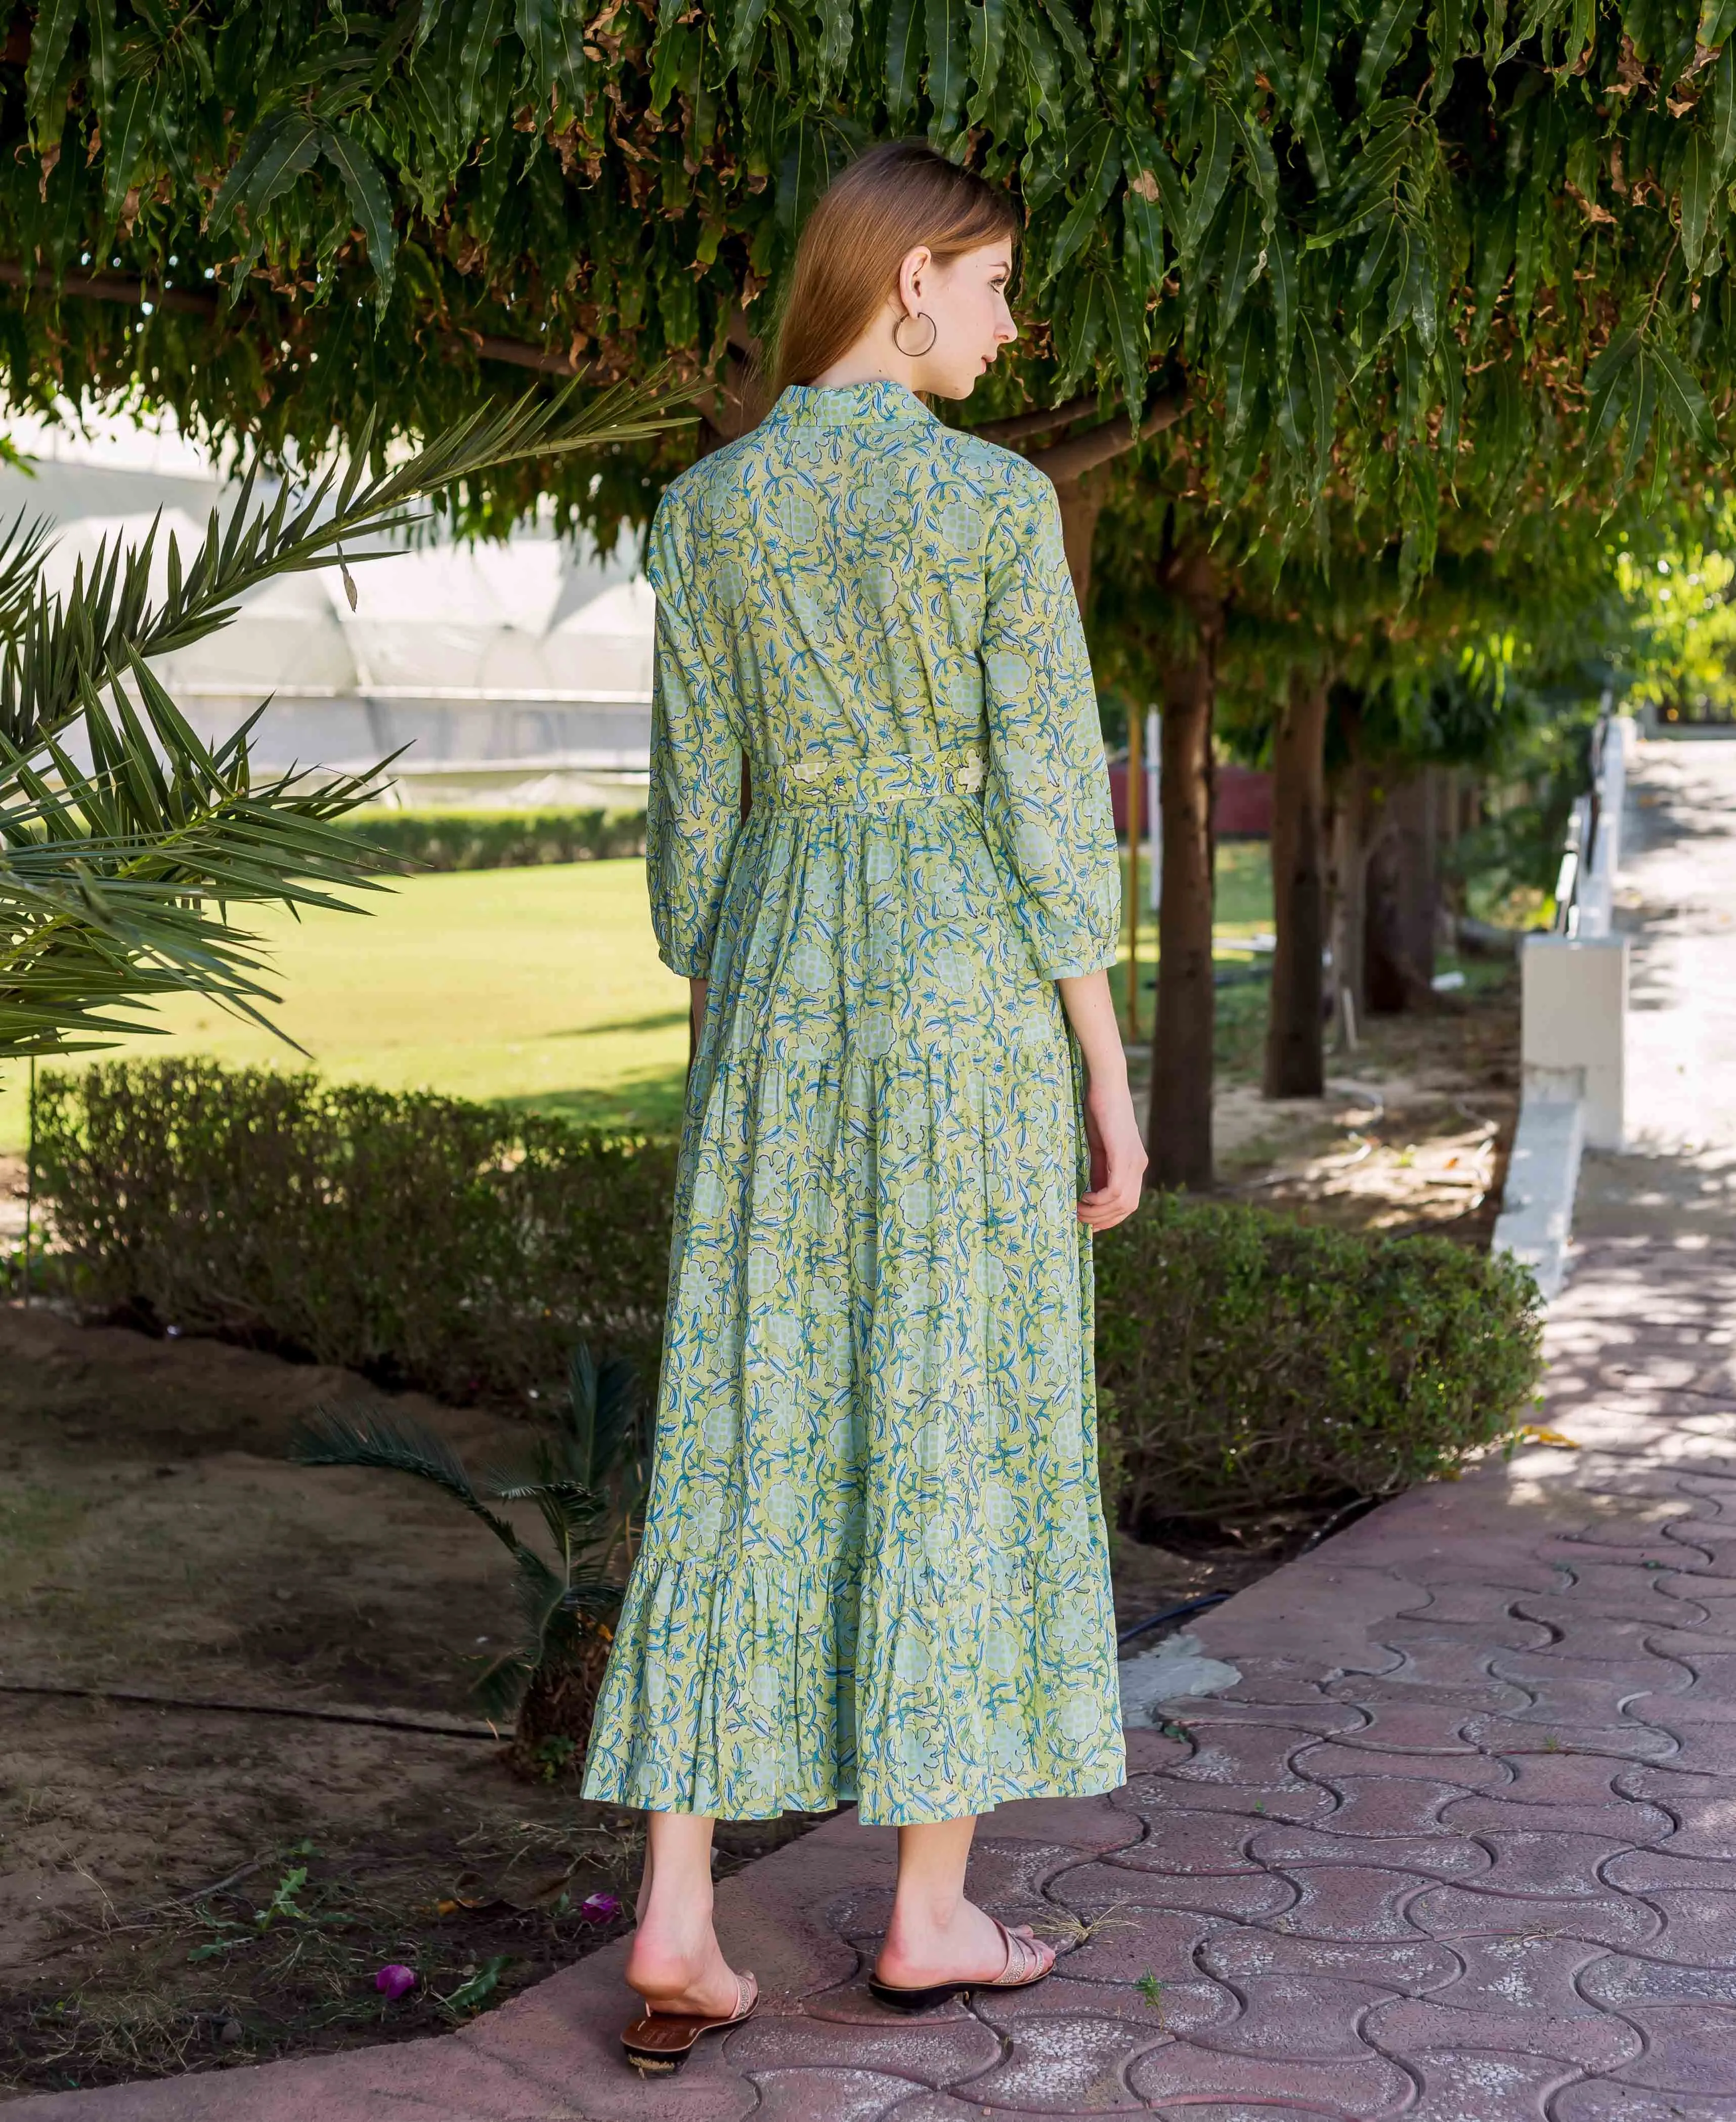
{"points": [[874, 1564]]}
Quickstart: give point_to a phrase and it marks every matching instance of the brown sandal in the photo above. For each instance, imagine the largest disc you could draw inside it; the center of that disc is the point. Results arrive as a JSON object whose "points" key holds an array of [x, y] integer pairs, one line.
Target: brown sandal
{"points": [[662, 2041], [1023, 1954]]}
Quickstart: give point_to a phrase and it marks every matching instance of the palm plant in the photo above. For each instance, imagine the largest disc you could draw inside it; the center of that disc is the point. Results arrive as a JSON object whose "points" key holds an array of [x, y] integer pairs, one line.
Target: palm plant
{"points": [[586, 1479], [124, 838]]}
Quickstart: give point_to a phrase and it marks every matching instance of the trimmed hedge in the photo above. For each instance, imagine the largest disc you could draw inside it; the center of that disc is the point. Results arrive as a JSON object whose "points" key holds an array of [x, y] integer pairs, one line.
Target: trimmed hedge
{"points": [[499, 839], [423, 1240], [1254, 1361], [1245, 1360]]}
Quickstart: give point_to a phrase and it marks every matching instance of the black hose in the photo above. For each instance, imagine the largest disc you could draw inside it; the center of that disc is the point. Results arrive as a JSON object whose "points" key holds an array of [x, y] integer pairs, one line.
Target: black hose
{"points": [[1171, 1614]]}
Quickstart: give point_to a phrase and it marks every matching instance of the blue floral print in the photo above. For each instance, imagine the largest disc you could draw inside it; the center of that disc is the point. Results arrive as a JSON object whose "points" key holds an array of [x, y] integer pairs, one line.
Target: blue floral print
{"points": [[874, 1564]]}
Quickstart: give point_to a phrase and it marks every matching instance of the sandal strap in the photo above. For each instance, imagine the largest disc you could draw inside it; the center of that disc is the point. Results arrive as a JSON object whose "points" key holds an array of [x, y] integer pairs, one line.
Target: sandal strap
{"points": [[1024, 1958]]}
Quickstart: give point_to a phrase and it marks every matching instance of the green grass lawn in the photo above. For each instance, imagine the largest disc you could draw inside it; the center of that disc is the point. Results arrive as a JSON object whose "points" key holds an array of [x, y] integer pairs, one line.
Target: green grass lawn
{"points": [[538, 985], [542, 986]]}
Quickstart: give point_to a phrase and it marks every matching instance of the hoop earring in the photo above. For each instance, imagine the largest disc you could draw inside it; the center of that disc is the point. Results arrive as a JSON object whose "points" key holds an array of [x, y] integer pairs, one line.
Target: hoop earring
{"points": [[915, 352]]}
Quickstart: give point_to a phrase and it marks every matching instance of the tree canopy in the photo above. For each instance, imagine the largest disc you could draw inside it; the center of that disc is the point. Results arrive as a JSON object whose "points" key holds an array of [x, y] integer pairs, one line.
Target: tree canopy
{"points": [[1387, 248]]}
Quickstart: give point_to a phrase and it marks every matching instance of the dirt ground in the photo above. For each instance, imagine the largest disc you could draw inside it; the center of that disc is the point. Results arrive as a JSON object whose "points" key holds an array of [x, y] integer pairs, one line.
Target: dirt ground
{"points": [[182, 1884], [1414, 1133], [214, 1874]]}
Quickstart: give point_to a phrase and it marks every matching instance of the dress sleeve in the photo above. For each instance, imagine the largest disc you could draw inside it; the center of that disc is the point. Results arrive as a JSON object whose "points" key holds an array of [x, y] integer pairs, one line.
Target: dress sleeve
{"points": [[1045, 800], [694, 806]]}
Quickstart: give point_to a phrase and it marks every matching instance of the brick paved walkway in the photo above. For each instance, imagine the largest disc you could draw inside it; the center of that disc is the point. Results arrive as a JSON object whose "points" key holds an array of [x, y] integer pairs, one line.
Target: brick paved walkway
{"points": [[1458, 1847]]}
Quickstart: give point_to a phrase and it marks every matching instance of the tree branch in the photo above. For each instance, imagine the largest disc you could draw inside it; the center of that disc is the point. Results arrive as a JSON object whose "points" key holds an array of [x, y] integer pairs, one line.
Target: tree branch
{"points": [[109, 288], [194, 302], [1078, 454], [1021, 425]]}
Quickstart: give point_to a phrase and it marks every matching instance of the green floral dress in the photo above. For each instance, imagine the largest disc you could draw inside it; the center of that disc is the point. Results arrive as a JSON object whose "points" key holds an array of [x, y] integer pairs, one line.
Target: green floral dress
{"points": [[875, 1562]]}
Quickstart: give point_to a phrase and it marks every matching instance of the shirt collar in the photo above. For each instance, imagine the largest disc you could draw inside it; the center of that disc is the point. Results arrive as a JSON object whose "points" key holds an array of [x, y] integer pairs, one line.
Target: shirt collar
{"points": [[880, 404]]}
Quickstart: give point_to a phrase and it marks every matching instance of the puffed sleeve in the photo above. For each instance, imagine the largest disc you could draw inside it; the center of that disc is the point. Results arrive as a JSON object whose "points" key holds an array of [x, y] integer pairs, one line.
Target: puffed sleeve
{"points": [[693, 808], [1045, 800]]}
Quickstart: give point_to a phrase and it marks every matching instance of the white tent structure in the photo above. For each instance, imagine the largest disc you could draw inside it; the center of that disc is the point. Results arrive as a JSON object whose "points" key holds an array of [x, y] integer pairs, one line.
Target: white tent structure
{"points": [[517, 673]]}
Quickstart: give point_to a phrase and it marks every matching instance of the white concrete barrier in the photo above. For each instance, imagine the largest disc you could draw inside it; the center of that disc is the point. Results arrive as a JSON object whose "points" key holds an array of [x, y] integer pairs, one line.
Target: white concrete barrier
{"points": [[1573, 1027], [1536, 1220], [1573, 1042]]}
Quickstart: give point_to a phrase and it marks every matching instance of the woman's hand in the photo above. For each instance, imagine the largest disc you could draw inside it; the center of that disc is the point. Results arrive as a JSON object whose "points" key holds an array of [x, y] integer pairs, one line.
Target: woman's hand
{"points": [[1112, 1133], [1117, 1155], [696, 1008]]}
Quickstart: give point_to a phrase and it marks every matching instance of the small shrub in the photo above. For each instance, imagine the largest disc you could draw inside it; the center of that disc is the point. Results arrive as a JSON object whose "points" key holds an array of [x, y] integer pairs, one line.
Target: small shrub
{"points": [[499, 839], [587, 1480], [1253, 1361], [422, 1240], [1245, 1361]]}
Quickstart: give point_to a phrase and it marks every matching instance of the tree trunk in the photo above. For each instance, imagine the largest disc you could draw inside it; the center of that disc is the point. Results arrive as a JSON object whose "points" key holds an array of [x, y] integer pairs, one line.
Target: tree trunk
{"points": [[1347, 867], [1402, 892], [1295, 1055], [1081, 503], [1178, 1134], [553, 1727]]}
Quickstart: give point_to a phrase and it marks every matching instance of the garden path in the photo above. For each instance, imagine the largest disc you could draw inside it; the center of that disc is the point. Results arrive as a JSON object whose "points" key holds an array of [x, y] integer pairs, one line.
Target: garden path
{"points": [[1457, 1845]]}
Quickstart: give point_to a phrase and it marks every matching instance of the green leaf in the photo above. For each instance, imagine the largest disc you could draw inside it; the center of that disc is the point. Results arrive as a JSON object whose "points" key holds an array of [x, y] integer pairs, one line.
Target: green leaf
{"points": [[1103, 167], [290, 156], [1606, 382], [481, 1985], [1142, 216], [1210, 175], [105, 62], [1528, 251], [1446, 40], [1683, 401], [1723, 119], [1320, 377], [1642, 404], [1079, 330], [1697, 189], [553, 37], [904, 58], [1420, 518], [1127, 310], [1061, 20], [838, 28], [1717, 19], [369, 201], [744, 27], [482, 33], [1383, 45], [123, 144], [262, 140], [1262, 167], [1241, 256], [1281, 267], [1320, 20], [49, 35], [947, 69], [988, 47], [1241, 377]]}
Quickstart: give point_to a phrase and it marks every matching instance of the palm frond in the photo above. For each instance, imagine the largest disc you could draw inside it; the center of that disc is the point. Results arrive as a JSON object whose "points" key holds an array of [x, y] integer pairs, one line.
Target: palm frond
{"points": [[598, 1419], [63, 643], [121, 855], [401, 1447], [21, 554], [498, 1689]]}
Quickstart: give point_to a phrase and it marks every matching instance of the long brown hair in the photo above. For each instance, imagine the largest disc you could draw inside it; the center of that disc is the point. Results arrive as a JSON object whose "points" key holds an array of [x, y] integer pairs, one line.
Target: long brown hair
{"points": [[869, 218]]}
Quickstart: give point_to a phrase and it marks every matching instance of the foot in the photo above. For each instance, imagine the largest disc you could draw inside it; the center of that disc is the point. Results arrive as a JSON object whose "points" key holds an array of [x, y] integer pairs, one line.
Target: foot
{"points": [[686, 1978], [970, 1948]]}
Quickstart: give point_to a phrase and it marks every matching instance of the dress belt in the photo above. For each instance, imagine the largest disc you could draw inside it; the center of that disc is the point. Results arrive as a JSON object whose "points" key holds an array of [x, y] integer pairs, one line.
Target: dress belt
{"points": [[842, 784]]}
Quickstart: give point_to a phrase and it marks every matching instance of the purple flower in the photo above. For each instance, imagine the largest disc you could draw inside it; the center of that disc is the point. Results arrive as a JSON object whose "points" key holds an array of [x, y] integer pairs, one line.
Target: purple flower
{"points": [[395, 1980], [599, 1908]]}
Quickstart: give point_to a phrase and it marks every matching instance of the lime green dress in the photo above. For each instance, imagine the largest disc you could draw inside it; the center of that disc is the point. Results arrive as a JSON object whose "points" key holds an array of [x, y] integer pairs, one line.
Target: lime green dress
{"points": [[874, 1564]]}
